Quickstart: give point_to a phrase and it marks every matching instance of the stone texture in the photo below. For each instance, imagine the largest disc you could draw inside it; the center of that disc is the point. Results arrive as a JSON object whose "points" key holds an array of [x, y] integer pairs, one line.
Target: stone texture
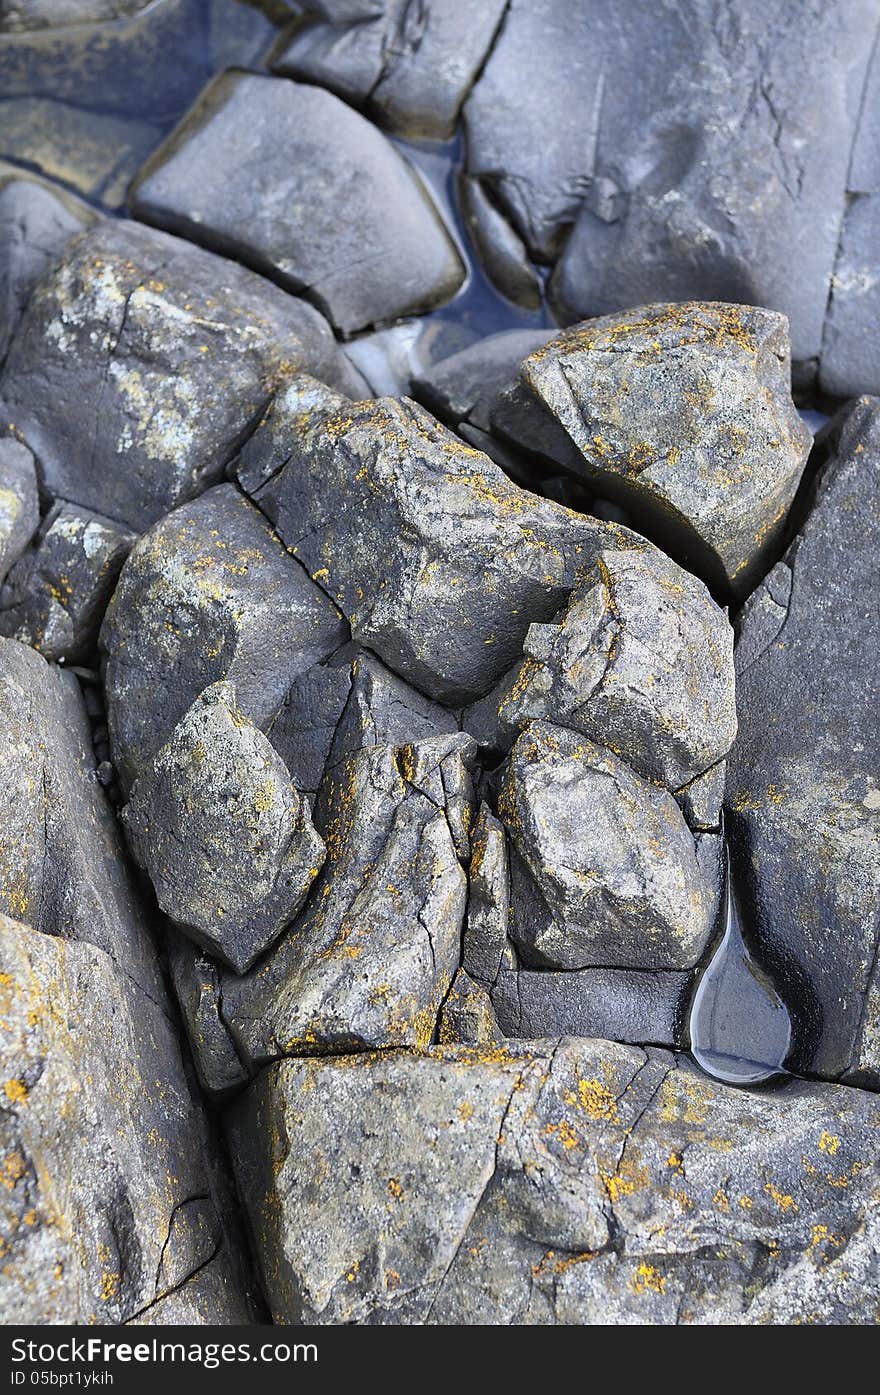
{"points": [[364, 500], [629, 1005], [239, 175], [802, 781], [19, 501], [56, 595], [62, 868], [604, 870], [683, 413], [223, 834], [564, 1182], [467, 1015], [369, 961], [196, 979], [485, 939], [208, 594], [640, 660], [500, 249], [35, 225], [410, 66], [141, 361], [464, 386], [108, 1205]]}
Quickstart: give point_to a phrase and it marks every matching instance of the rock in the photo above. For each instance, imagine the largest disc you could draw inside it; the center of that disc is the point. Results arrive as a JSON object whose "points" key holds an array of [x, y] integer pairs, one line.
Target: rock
{"points": [[361, 268], [302, 732], [464, 386], [196, 979], [640, 660], [140, 362], [709, 449], [208, 594], [850, 357], [62, 869], [56, 14], [802, 783], [628, 1005], [369, 962], [573, 1181], [467, 1015], [109, 1205], [36, 223], [604, 870], [700, 801], [223, 835], [56, 595], [501, 251], [364, 500], [410, 66], [485, 940], [19, 501]]}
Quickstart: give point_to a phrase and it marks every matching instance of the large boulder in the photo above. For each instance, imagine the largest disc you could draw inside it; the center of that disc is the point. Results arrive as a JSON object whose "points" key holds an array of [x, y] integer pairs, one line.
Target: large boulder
{"points": [[802, 783], [573, 1181], [239, 175]]}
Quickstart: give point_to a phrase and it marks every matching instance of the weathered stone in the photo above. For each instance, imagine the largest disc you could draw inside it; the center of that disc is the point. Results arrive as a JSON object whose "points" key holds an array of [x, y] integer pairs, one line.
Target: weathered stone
{"points": [[369, 961], [500, 249], [62, 868], [484, 943], [35, 225], [57, 594], [360, 269], [467, 1015], [410, 66], [108, 1204], [141, 361], [630, 1005], [382, 710], [802, 780], [223, 835], [196, 979], [605, 872], [208, 594], [565, 1182], [19, 501], [365, 501], [19, 15], [683, 414], [465, 386], [640, 660], [701, 799]]}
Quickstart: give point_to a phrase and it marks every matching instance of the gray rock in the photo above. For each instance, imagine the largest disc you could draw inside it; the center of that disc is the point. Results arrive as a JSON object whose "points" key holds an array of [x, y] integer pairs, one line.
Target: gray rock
{"points": [[802, 782], [225, 838], [57, 594], [365, 501], [62, 868], [108, 1205], [465, 386], [500, 249], [561, 1182], [604, 870], [208, 594], [382, 710], [467, 1016], [369, 962], [410, 66], [196, 979], [485, 939], [302, 732], [238, 174], [35, 225], [640, 660], [628, 1005], [24, 15], [140, 362], [683, 414], [701, 799], [19, 501]]}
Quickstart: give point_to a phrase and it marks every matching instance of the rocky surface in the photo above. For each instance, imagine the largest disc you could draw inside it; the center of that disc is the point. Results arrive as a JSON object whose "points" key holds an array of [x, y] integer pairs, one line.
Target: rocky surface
{"points": [[139, 363], [801, 786], [36, 223], [19, 501], [359, 269], [560, 1182]]}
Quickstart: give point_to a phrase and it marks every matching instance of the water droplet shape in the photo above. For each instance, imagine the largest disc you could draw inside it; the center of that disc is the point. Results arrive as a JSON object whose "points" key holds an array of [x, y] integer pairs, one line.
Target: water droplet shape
{"points": [[740, 1028]]}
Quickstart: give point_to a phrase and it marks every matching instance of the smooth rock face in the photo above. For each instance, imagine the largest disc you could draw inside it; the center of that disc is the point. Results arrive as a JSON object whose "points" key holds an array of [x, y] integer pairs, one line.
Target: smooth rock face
{"points": [[239, 175], [684, 414], [500, 249], [56, 596], [364, 501], [196, 980], [697, 154], [370, 960], [224, 836], [628, 1005], [140, 361], [604, 870], [802, 781], [108, 1203], [640, 660], [578, 1181], [35, 224], [19, 501], [208, 594], [411, 66], [62, 868], [464, 386]]}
